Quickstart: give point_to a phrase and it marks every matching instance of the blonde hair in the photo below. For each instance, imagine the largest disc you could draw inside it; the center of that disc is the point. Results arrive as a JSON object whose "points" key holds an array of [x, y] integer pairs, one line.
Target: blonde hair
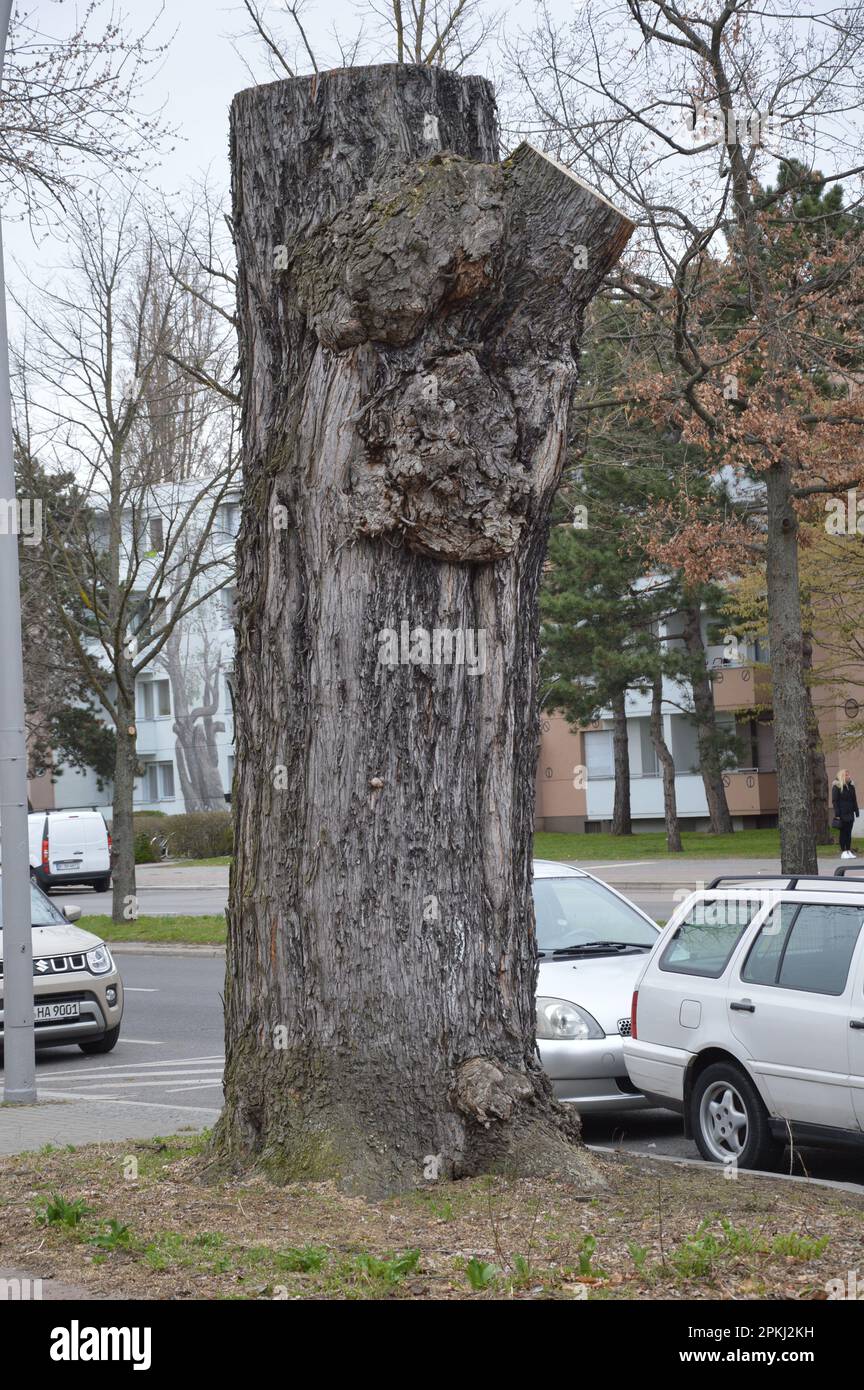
{"points": [[842, 779]]}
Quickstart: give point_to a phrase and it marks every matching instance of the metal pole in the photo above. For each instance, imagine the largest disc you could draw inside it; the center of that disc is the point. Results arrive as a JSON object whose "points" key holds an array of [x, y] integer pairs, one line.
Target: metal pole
{"points": [[20, 1058]]}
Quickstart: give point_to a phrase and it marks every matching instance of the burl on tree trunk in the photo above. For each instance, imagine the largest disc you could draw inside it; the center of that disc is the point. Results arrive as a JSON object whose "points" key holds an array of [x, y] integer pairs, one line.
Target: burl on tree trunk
{"points": [[410, 311]]}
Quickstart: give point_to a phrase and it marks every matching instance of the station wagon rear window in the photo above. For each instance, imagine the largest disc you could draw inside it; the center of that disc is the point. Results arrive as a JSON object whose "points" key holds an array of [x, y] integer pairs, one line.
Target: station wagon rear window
{"points": [[704, 941], [806, 946]]}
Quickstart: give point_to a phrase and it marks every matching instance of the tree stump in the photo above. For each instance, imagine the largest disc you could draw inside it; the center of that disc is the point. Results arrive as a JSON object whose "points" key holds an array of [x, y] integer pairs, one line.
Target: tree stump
{"points": [[410, 311]]}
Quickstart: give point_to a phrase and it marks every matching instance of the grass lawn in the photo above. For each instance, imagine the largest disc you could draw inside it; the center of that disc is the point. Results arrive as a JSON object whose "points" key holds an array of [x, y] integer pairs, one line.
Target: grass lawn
{"points": [[655, 1231], [190, 930], [744, 844]]}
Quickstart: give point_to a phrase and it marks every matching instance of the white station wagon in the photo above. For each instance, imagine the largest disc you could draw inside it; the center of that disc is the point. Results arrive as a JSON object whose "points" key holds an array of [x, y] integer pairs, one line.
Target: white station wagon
{"points": [[748, 1017]]}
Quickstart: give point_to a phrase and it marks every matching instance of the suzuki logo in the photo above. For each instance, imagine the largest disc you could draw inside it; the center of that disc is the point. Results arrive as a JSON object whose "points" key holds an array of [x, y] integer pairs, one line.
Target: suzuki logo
{"points": [[42, 966]]}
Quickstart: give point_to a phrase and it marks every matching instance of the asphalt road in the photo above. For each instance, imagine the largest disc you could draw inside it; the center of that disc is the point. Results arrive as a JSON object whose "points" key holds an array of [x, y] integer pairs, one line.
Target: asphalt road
{"points": [[656, 885], [171, 1053], [162, 890], [170, 1050]]}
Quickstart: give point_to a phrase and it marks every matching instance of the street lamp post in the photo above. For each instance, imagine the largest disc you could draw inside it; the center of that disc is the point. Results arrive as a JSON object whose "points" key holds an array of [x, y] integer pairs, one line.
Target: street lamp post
{"points": [[18, 1042]]}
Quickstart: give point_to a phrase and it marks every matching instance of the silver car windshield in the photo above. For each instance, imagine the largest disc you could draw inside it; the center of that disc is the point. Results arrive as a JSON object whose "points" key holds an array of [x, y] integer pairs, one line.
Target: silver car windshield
{"points": [[43, 913], [574, 912]]}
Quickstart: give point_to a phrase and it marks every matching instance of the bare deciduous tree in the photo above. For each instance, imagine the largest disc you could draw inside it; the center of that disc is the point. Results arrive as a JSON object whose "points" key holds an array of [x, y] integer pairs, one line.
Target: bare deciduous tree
{"points": [[74, 101], [433, 32], [153, 453]]}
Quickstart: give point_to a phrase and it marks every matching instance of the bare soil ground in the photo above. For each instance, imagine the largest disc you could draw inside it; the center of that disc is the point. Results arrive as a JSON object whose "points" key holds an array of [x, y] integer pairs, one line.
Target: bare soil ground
{"points": [[142, 1220]]}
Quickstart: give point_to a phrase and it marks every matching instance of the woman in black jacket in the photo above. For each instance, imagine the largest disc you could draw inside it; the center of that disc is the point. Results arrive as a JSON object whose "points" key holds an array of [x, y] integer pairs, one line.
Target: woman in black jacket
{"points": [[845, 804]]}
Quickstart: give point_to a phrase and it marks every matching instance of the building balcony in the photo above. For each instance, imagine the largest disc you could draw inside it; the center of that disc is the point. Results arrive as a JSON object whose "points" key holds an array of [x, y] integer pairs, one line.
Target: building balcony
{"points": [[751, 793], [741, 687]]}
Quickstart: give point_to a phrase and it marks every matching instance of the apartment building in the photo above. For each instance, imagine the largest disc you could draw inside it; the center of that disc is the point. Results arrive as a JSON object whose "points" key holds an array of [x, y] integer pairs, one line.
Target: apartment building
{"points": [[191, 675], [575, 777]]}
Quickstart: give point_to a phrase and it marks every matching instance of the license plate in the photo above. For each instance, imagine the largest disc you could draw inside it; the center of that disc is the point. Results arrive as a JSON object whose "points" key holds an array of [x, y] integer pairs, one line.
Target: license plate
{"points": [[67, 864], [49, 1013]]}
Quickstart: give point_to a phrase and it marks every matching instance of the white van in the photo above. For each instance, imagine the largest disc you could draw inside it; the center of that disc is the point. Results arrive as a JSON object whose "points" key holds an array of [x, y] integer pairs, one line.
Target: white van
{"points": [[69, 847]]}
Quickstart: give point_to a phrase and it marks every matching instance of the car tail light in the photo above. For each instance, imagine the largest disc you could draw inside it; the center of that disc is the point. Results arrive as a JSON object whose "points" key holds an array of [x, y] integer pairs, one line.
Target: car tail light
{"points": [[633, 1013], [45, 864], [109, 844]]}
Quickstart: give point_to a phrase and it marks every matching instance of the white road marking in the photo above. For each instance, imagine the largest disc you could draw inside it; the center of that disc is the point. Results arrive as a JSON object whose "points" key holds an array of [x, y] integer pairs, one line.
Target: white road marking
{"points": [[138, 1066], [143, 1042], [110, 1100], [110, 1092], [131, 1082], [195, 1086]]}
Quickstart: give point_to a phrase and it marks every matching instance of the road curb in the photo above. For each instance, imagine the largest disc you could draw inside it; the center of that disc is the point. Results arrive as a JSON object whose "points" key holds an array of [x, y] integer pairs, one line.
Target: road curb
{"points": [[682, 1162], [164, 948]]}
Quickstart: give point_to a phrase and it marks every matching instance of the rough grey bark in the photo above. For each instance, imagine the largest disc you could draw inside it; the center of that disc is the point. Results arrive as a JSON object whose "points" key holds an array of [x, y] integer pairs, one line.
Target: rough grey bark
{"points": [[667, 768], [790, 694], [706, 724], [622, 823], [122, 826], [407, 364], [820, 792]]}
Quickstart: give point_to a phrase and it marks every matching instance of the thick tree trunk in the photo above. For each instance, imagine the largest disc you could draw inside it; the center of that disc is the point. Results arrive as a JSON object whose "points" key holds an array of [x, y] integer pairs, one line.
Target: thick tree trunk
{"points": [[123, 903], [667, 768], [791, 709], [408, 313], [622, 823], [821, 796], [710, 765]]}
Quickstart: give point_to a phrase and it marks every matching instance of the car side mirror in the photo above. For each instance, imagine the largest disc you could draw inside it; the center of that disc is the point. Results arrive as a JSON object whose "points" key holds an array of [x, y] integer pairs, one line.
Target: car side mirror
{"points": [[71, 911]]}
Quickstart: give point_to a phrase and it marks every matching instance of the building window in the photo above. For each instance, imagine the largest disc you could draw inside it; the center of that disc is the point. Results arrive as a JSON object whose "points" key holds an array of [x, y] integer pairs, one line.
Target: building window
{"points": [[149, 617], [157, 533], [154, 700], [229, 692], [598, 754], [157, 782], [650, 764], [230, 520], [229, 603]]}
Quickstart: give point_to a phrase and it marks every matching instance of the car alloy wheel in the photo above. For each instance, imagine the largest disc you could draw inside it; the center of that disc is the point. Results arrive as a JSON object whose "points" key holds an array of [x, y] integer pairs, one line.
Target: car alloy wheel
{"points": [[728, 1119], [723, 1121]]}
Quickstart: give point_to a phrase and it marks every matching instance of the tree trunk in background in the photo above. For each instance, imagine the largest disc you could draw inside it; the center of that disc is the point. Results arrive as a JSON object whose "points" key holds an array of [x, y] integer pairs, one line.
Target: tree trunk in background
{"points": [[123, 905], [710, 765], [791, 705], [407, 364], [195, 729], [821, 795], [622, 823], [667, 768]]}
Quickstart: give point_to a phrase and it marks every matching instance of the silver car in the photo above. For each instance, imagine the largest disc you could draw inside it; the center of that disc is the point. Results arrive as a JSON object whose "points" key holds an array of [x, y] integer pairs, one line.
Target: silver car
{"points": [[592, 944], [78, 993]]}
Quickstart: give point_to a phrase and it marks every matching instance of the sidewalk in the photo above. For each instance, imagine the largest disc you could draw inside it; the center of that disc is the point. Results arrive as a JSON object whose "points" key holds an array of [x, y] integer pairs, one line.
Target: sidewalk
{"points": [[174, 874], [27, 1128]]}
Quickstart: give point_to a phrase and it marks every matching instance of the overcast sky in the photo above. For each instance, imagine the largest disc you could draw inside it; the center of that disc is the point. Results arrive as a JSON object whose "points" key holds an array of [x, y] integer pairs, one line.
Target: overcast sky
{"points": [[209, 59], [212, 54]]}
